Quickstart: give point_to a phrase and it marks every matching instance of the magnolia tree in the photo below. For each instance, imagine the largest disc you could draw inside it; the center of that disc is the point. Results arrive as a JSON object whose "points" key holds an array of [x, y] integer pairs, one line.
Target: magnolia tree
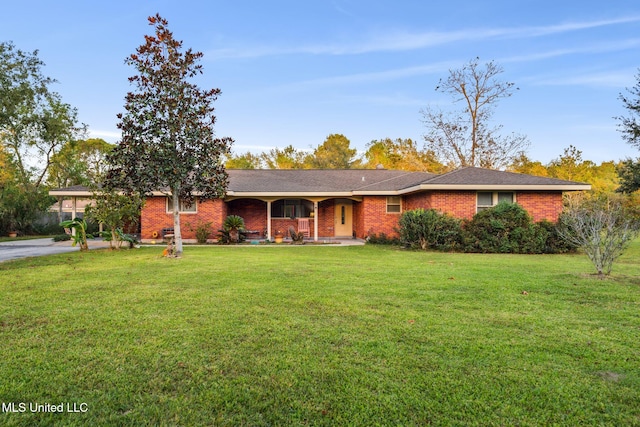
{"points": [[168, 141], [601, 226]]}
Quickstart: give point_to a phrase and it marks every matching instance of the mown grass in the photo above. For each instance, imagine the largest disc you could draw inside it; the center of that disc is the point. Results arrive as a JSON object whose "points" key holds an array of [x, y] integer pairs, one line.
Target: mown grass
{"points": [[320, 336]]}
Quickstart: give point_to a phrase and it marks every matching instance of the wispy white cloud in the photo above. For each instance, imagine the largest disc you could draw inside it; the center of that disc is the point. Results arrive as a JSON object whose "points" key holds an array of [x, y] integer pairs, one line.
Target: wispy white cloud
{"points": [[615, 79], [372, 77], [591, 48], [107, 135], [399, 41]]}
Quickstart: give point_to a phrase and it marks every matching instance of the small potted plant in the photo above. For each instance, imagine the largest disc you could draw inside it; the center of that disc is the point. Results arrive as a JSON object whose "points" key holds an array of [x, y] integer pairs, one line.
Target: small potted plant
{"points": [[13, 231], [278, 236]]}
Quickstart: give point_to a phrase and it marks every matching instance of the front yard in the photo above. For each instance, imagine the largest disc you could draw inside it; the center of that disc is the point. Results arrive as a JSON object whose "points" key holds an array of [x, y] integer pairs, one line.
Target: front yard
{"points": [[319, 335]]}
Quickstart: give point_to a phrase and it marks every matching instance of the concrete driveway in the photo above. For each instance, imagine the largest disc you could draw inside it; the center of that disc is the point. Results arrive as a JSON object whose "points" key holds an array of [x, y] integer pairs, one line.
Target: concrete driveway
{"points": [[40, 247]]}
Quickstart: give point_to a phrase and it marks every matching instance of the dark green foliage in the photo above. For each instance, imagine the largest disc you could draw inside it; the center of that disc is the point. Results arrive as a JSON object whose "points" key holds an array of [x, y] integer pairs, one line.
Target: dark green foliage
{"points": [[48, 229], [382, 239], [232, 228], [630, 125], [20, 207], [233, 222], [554, 243], [61, 238], [429, 229], [168, 138], [203, 230], [505, 228], [629, 174]]}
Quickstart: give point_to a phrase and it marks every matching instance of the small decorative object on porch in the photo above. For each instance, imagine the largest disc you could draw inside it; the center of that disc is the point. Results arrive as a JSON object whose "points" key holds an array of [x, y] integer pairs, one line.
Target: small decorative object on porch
{"points": [[278, 236], [297, 237]]}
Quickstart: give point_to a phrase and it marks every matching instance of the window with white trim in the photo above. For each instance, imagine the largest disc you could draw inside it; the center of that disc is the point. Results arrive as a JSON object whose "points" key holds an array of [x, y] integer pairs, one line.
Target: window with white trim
{"points": [[394, 204], [488, 199], [184, 207]]}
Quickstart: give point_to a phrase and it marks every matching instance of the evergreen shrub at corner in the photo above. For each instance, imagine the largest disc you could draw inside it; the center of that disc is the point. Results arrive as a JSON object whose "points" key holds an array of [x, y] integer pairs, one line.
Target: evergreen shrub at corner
{"points": [[429, 229], [504, 228]]}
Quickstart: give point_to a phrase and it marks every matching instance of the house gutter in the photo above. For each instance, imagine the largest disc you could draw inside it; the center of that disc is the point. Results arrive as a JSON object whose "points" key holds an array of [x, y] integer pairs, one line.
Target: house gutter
{"points": [[496, 187]]}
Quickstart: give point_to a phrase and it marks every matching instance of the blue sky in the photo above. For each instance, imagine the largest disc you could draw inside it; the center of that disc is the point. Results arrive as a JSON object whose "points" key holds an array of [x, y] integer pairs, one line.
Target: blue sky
{"points": [[293, 72]]}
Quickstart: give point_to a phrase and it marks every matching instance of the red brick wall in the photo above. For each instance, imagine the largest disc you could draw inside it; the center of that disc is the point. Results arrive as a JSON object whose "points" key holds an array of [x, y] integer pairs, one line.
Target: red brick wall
{"points": [[253, 211], [369, 216], [461, 204], [358, 219], [541, 205], [326, 218], [154, 217], [375, 218], [415, 201]]}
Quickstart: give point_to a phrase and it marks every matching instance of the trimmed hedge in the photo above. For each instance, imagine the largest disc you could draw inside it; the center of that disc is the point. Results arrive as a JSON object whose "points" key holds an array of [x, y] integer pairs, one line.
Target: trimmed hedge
{"points": [[504, 228]]}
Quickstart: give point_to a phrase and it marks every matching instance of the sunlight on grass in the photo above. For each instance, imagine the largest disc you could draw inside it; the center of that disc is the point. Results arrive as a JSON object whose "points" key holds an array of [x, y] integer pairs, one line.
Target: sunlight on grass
{"points": [[321, 336]]}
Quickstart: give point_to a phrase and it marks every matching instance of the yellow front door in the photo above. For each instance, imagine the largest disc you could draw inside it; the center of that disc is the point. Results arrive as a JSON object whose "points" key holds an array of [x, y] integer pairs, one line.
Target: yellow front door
{"points": [[343, 219]]}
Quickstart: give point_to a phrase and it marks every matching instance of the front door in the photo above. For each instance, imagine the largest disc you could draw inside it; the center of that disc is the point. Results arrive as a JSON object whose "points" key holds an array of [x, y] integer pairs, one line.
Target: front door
{"points": [[343, 219]]}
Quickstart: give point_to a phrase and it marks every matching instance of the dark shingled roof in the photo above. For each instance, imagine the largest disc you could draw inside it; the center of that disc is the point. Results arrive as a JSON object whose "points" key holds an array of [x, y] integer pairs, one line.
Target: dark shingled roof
{"points": [[480, 176], [73, 188], [321, 181], [363, 181]]}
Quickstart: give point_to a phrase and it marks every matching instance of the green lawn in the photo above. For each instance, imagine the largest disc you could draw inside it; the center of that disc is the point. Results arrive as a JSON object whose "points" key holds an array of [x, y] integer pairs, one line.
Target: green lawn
{"points": [[320, 335]]}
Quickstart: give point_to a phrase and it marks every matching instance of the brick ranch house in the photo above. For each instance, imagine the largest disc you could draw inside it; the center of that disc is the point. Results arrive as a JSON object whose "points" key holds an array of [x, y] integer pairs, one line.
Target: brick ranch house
{"points": [[350, 203]]}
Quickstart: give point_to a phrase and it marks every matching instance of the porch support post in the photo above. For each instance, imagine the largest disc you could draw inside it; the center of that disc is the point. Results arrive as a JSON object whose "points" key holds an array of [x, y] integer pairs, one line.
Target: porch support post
{"points": [[74, 212], [74, 207], [268, 220], [315, 221]]}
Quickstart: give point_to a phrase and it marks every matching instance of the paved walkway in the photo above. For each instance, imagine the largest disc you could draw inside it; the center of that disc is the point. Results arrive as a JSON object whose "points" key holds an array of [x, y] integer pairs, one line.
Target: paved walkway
{"points": [[38, 247]]}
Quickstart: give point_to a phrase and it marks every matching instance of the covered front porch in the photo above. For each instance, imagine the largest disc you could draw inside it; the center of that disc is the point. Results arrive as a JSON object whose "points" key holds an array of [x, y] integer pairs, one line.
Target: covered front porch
{"points": [[320, 218]]}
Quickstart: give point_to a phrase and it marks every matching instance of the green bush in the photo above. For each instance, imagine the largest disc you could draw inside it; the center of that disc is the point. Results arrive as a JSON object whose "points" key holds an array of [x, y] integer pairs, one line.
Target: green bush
{"points": [[202, 229], [429, 229], [554, 243], [61, 238], [382, 239], [504, 228]]}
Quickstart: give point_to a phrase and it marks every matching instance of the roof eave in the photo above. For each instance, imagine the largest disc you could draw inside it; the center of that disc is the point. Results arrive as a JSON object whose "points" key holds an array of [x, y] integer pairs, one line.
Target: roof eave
{"points": [[510, 187], [70, 193], [290, 193]]}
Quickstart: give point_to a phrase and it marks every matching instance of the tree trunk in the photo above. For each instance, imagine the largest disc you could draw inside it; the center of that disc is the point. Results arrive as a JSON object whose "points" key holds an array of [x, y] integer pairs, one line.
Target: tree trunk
{"points": [[177, 235]]}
